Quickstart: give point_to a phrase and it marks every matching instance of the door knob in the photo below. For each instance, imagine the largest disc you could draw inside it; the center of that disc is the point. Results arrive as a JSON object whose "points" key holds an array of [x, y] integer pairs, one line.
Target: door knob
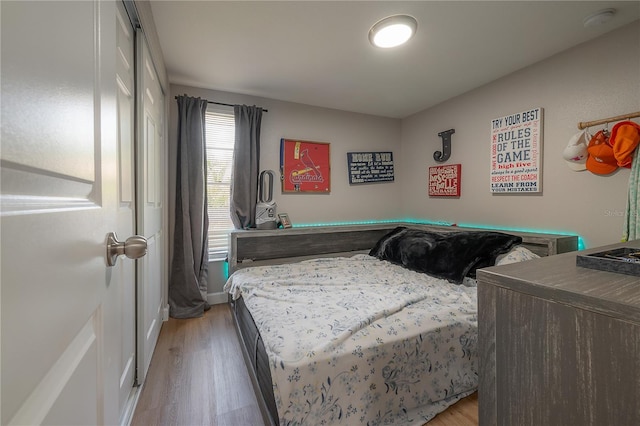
{"points": [[134, 247]]}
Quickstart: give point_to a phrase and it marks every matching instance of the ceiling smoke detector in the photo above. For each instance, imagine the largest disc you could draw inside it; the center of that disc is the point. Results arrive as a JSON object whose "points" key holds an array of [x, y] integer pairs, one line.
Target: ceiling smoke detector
{"points": [[600, 17]]}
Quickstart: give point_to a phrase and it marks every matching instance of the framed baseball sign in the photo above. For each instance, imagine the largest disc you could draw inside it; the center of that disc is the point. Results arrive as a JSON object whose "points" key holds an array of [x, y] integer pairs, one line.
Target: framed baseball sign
{"points": [[305, 166]]}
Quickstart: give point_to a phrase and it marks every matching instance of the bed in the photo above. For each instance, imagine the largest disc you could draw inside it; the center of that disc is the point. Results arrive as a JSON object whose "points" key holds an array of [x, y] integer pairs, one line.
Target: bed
{"points": [[347, 324]]}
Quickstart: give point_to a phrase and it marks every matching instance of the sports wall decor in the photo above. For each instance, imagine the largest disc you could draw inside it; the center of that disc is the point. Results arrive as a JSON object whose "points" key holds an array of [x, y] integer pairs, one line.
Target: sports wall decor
{"points": [[516, 152], [305, 166], [370, 167], [444, 181]]}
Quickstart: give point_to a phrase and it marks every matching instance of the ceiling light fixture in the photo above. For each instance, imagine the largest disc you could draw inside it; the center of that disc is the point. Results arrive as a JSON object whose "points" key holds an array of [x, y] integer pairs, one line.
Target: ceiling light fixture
{"points": [[393, 31], [599, 18]]}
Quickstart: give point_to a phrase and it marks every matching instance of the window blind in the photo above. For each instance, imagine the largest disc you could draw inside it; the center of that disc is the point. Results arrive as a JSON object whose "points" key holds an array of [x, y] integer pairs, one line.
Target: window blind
{"points": [[220, 139]]}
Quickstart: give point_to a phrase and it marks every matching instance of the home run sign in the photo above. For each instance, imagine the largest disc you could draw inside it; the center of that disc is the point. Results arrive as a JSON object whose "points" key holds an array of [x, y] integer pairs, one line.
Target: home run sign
{"points": [[516, 152], [370, 167]]}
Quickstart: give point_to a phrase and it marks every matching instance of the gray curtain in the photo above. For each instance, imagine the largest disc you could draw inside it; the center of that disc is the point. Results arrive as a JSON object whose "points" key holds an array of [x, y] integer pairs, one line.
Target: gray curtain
{"points": [[190, 263], [246, 166], [632, 214]]}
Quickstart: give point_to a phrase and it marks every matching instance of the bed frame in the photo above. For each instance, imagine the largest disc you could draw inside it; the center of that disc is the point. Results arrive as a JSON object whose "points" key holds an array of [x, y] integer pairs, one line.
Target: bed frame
{"points": [[279, 246]]}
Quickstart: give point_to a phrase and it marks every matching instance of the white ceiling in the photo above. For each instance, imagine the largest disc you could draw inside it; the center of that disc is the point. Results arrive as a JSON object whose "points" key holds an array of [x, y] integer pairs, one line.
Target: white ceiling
{"points": [[318, 53]]}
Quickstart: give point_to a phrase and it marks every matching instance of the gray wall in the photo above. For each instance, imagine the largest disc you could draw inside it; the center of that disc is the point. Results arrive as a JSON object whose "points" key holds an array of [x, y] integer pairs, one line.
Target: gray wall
{"points": [[596, 80]]}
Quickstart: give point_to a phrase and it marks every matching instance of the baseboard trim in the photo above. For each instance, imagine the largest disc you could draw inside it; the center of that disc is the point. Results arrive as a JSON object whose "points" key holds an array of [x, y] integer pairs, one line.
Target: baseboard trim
{"points": [[165, 313], [217, 298], [130, 407]]}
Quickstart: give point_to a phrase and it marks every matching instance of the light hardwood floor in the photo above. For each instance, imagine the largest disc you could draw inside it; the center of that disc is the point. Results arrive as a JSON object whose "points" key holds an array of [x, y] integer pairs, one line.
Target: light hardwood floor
{"points": [[198, 377]]}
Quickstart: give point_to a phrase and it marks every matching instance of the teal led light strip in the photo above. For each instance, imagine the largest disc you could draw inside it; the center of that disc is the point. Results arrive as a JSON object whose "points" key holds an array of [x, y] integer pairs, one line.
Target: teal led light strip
{"points": [[372, 222], [225, 270], [360, 222]]}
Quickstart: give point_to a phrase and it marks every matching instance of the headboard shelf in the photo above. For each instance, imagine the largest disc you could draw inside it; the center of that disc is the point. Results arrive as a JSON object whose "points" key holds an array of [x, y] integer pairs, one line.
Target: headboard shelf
{"points": [[262, 247]]}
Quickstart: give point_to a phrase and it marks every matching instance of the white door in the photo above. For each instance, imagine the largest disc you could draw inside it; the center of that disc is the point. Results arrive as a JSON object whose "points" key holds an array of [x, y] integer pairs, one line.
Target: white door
{"points": [[64, 185], [150, 180]]}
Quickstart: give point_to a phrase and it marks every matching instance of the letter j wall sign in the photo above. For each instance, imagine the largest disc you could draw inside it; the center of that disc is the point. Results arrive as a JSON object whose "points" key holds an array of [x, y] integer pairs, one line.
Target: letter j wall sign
{"points": [[516, 152]]}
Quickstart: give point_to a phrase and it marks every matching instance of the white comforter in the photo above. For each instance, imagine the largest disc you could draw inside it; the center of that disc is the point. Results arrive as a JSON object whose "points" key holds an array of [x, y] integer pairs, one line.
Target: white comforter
{"points": [[361, 341]]}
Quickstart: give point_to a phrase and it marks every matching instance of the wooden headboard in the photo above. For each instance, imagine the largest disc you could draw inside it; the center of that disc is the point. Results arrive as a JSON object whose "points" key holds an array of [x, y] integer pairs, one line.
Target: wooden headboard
{"points": [[277, 246]]}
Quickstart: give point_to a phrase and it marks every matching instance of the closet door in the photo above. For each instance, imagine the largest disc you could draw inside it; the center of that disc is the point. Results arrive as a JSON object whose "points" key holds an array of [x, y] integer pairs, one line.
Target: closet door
{"points": [[123, 328], [150, 185]]}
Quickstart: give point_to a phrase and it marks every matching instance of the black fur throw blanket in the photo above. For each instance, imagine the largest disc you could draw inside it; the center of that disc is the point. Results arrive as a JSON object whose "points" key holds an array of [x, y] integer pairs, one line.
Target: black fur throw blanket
{"points": [[448, 255]]}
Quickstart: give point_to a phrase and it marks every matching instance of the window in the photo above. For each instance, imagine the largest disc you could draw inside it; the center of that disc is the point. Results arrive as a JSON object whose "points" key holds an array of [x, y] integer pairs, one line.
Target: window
{"points": [[220, 137]]}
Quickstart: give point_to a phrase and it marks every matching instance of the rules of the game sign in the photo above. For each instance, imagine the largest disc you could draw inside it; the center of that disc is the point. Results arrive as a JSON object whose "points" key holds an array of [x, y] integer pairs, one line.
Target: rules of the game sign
{"points": [[516, 152]]}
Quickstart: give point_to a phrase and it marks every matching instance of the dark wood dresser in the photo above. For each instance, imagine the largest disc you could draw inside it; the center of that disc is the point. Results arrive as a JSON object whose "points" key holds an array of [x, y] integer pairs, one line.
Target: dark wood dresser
{"points": [[559, 344]]}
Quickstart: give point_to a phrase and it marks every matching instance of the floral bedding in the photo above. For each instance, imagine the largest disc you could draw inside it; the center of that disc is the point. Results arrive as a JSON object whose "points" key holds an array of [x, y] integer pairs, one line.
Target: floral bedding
{"points": [[362, 341]]}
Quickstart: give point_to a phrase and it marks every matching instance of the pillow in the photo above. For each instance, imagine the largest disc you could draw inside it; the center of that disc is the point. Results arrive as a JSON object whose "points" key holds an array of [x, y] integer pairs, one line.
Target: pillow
{"points": [[516, 254], [450, 255]]}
